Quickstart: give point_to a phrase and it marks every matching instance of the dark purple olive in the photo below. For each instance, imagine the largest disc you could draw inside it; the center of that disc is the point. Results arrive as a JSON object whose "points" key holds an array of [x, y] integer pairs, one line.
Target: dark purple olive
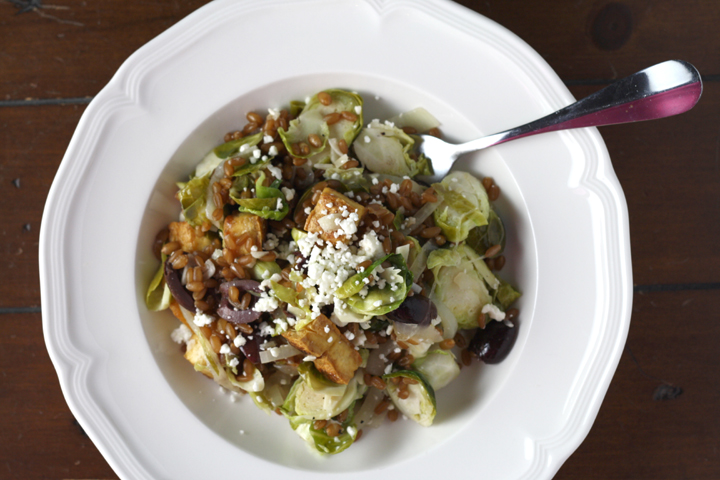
{"points": [[417, 310], [181, 295], [493, 343], [234, 315], [300, 262], [243, 285], [251, 349]]}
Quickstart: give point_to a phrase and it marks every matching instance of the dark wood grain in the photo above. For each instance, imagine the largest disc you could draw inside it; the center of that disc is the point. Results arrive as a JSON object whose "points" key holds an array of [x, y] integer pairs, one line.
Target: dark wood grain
{"points": [[562, 32], [75, 53], [636, 437], [669, 170], [40, 437], [33, 143]]}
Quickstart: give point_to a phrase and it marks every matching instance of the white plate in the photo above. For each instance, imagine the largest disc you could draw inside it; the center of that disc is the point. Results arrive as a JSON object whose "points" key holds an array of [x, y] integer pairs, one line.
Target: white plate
{"points": [[152, 417]]}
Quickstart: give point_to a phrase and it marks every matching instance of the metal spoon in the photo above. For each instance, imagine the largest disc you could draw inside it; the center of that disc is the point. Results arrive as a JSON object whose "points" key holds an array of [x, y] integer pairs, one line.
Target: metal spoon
{"points": [[663, 90]]}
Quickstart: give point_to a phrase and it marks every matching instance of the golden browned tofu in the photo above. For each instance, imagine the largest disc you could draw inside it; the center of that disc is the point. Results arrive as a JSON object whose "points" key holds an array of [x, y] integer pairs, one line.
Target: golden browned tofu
{"points": [[312, 338], [329, 220], [340, 363], [188, 238], [336, 358], [194, 354], [243, 223]]}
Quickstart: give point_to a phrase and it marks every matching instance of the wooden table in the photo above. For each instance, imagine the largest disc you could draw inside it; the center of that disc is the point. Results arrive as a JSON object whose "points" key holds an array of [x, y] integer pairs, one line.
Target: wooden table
{"points": [[661, 416]]}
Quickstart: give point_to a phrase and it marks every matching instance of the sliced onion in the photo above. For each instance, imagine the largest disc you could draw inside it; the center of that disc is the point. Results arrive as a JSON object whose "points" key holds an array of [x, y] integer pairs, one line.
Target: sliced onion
{"points": [[280, 353], [449, 322], [420, 263], [422, 215], [376, 364], [366, 417], [209, 268]]}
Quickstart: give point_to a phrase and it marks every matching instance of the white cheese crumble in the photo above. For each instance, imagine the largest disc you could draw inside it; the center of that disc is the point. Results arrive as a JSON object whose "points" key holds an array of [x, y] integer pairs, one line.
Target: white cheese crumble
{"points": [[329, 266], [271, 242], [225, 349], [202, 319], [288, 192], [494, 312], [267, 139], [275, 171], [181, 334], [266, 303], [239, 341], [273, 151], [309, 358]]}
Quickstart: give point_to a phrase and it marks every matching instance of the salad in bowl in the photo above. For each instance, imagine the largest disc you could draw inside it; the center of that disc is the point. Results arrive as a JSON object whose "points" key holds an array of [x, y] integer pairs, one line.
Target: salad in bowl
{"points": [[311, 268]]}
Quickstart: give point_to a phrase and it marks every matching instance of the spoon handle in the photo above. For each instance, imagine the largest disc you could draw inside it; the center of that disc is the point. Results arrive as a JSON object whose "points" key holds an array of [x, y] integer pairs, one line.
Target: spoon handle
{"points": [[663, 90]]}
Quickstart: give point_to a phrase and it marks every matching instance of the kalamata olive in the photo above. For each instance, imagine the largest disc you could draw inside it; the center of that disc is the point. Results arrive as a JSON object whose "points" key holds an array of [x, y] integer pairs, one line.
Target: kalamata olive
{"points": [[300, 262], [493, 343], [244, 285], [181, 295], [234, 315], [231, 312], [417, 310], [251, 349]]}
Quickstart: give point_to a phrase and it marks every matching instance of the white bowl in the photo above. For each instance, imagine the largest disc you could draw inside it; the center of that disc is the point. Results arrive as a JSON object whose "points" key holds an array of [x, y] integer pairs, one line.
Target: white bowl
{"points": [[143, 405]]}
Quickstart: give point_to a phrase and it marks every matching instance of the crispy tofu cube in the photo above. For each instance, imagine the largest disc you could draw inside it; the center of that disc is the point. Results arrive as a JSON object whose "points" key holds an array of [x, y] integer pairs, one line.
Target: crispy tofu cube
{"points": [[336, 358], [340, 363], [188, 238], [312, 338], [335, 217], [195, 355], [242, 223]]}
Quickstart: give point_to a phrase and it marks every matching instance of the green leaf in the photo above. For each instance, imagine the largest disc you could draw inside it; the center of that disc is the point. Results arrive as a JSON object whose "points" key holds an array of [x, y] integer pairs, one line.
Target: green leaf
{"points": [[439, 368], [265, 204], [378, 301], [229, 149], [506, 294], [158, 294], [483, 237], [420, 404], [192, 199], [458, 283], [465, 205], [312, 121]]}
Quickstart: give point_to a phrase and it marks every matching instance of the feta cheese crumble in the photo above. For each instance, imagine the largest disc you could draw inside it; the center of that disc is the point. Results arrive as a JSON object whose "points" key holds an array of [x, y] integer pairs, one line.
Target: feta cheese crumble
{"points": [[201, 319]]}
